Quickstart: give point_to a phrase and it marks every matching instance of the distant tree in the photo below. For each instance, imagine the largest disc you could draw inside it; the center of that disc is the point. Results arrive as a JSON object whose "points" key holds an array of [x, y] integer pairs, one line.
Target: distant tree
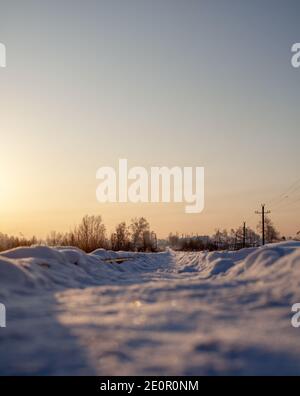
{"points": [[173, 240], [11, 242], [90, 234], [120, 239], [252, 238], [271, 233], [138, 227], [154, 242], [55, 239], [221, 238]]}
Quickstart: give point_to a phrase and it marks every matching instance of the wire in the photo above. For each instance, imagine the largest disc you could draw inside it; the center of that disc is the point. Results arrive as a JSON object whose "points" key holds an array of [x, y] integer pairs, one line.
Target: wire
{"points": [[290, 190], [282, 206]]}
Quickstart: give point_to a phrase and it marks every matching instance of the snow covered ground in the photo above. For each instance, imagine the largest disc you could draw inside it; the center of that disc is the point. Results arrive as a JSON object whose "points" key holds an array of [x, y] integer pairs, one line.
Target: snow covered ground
{"points": [[155, 314]]}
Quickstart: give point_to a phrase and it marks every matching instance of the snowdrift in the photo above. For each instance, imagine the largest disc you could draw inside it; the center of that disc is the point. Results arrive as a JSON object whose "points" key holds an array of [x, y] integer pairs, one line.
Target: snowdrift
{"points": [[170, 313], [250, 262], [39, 267]]}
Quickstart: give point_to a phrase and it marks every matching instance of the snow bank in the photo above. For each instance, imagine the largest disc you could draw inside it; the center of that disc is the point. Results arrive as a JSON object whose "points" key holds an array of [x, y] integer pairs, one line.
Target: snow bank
{"points": [[169, 313], [262, 261], [45, 267], [41, 267]]}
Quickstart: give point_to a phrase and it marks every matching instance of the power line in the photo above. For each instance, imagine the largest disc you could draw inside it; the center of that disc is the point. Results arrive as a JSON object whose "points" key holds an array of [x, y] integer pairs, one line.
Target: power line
{"points": [[290, 190], [280, 199], [286, 201]]}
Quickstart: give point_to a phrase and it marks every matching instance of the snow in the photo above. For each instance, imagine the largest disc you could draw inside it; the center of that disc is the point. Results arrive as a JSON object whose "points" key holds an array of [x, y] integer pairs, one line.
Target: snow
{"points": [[169, 313]]}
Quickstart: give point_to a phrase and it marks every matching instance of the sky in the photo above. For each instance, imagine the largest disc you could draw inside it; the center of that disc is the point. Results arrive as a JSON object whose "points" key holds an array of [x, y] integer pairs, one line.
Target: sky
{"points": [[162, 83]]}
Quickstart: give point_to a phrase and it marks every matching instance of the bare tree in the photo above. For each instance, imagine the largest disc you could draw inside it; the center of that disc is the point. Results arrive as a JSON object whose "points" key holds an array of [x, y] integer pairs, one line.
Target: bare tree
{"points": [[90, 234], [55, 239], [120, 239], [11, 242], [271, 233], [173, 240], [138, 227]]}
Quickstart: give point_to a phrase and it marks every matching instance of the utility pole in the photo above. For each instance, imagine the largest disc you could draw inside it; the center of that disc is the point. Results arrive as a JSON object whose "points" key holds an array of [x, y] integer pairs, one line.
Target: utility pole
{"points": [[244, 234], [263, 213]]}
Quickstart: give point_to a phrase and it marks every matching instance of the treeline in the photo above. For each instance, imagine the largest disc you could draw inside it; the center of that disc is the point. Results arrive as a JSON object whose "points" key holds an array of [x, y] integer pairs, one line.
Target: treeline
{"points": [[91, 234], [10, 242], [225, 240]]}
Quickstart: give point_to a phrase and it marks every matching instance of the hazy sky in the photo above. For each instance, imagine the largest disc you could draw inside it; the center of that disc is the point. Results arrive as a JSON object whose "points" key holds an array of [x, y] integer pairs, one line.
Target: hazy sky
{"points": [[159, 82]]}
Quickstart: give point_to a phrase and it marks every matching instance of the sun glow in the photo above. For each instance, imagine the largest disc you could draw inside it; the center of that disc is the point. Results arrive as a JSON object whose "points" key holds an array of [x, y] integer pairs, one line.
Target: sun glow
{"points": [[4, 189], [7, 186]]}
